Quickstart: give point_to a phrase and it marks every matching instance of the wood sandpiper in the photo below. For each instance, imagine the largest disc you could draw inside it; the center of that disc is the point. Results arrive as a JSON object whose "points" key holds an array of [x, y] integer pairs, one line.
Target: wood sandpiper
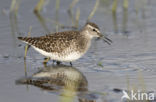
{"points": [[66, 46]]}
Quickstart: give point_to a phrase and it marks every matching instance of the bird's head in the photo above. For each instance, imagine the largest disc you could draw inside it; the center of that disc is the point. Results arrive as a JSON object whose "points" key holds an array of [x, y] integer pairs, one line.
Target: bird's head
{"points": [[92, 30]]}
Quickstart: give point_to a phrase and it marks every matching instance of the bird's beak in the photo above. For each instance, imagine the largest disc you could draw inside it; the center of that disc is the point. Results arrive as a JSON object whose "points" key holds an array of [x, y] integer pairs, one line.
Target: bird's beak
{"points": [[105, 39]]}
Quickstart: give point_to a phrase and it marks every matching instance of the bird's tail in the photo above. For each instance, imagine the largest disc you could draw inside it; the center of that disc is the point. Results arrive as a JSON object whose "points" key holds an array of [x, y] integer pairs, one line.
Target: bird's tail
{"points": [[20, 38], [28, 40]]}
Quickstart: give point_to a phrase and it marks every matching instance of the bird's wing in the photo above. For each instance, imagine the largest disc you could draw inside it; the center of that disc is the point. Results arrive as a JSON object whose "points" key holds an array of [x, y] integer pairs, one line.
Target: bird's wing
{"points": [[56, 42]]}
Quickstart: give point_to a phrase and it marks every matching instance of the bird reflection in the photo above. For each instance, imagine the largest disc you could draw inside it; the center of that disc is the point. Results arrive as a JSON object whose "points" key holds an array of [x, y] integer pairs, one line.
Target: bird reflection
{"points": [[67, 81]]}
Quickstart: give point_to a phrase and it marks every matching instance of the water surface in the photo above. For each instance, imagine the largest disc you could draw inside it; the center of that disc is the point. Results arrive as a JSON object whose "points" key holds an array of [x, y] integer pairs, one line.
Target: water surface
{"points": [[129, 62]]}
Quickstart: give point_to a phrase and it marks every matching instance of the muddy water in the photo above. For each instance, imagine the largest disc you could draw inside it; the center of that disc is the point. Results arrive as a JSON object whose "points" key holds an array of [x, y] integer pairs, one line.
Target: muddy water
{"points": [[129, 63]]}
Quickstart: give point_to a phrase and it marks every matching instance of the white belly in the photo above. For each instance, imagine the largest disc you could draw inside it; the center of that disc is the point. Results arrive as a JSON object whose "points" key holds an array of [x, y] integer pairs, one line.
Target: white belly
{"points": [[55, 56]]}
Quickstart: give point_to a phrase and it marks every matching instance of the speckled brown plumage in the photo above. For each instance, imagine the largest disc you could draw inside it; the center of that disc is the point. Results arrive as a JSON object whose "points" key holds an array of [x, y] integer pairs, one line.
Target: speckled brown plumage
{"points": [[57, 42]]}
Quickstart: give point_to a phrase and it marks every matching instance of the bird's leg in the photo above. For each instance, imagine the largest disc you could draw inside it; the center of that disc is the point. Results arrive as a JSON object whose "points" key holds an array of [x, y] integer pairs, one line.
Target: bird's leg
{"points": [[58, 62], [54, 61], [29, 47], [71, 64], [46, 60]]}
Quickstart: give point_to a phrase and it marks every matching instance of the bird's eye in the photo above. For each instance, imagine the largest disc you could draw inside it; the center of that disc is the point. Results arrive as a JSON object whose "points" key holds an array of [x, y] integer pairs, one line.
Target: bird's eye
{"points": [[94, 30]]}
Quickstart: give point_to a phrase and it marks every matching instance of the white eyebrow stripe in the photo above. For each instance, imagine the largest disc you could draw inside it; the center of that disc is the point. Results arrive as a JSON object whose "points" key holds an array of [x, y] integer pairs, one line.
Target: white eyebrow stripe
{"points": [[94, 28], [91, 27]]}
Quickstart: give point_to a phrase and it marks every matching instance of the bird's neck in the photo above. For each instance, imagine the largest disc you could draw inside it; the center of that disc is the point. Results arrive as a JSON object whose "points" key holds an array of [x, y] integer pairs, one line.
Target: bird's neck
{"points": [[84, 41], [85, 33]]}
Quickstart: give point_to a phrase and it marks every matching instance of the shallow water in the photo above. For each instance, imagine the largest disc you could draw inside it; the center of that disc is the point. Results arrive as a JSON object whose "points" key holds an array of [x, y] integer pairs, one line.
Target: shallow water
{"points": [[129, 62]]}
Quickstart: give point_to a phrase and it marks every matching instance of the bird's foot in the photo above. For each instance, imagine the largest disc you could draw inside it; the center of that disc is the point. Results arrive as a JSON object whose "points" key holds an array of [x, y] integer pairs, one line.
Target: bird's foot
{"points": [[54, 62], [71, 64], [58, 62], [46, 60]]}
